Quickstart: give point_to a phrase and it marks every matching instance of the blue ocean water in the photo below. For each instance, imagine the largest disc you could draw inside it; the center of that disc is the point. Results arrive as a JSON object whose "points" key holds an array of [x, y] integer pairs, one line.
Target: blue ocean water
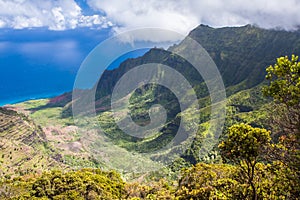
{"points": [[41, 63]]}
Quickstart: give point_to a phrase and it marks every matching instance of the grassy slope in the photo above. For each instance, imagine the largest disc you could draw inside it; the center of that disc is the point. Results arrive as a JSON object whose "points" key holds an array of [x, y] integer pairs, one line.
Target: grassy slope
{"points": [[95, 150], [81, 147], [23, 146]]}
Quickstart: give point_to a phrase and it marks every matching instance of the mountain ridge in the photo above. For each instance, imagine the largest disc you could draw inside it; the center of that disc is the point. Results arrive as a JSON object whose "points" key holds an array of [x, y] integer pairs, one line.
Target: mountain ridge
{"points": [[241, 55]]}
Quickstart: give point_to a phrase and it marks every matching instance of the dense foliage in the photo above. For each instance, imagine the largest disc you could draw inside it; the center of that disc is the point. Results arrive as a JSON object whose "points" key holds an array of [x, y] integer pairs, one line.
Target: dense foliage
{"points": [[202, 181], [284, 88], [285, 81], [82, 184], [244, 146]]}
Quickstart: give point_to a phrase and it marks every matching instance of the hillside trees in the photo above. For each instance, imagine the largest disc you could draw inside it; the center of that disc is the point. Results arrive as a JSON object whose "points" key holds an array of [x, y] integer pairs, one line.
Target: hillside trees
{"points": [[245, 146], [209, 181], [284, 88], [82, 184]]}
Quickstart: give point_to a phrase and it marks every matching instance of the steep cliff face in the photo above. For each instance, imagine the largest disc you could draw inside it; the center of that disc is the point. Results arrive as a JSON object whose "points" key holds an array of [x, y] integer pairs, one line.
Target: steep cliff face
{"points": [[240, 53]]}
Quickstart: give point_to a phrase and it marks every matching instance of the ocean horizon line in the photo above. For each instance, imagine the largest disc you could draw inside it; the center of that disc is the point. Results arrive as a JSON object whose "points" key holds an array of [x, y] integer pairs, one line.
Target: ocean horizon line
{"points": [[30, 97]]}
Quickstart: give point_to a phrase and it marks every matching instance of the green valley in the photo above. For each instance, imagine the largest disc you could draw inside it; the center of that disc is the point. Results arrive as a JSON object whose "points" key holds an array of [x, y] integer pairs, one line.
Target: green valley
{"points": [[45, 154]]}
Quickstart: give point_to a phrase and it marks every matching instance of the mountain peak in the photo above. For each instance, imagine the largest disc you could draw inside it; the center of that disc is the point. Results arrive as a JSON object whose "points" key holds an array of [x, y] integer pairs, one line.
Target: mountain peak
{"points": [[207, 27]]}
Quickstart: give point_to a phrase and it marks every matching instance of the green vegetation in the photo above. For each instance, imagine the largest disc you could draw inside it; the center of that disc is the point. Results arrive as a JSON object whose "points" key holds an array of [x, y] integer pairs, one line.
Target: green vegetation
{"points": [[240, 53], [82, 184], [284, 88], [244, 146], [23, 146], [45, 114], [202, 181], [256, 169], [284, 79], [249, 162]]}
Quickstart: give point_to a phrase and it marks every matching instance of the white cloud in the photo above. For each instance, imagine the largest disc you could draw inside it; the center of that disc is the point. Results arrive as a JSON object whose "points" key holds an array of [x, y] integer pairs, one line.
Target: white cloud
{"points": [[56, 15], [20, 22], [94, 20], [131, 14], [178, 15], [183, 15], [2, 23]]}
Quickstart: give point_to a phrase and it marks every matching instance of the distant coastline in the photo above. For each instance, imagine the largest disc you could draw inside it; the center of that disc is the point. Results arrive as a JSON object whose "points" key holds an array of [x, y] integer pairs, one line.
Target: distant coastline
{"points": [[31, 97]]}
